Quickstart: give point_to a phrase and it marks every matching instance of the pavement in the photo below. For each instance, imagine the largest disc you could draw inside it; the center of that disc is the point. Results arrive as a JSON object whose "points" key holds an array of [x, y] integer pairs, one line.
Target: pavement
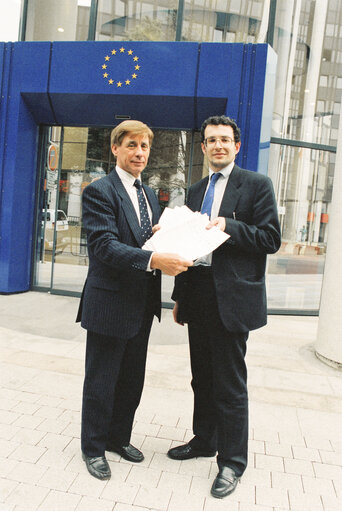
{"points": [[295, 446]]}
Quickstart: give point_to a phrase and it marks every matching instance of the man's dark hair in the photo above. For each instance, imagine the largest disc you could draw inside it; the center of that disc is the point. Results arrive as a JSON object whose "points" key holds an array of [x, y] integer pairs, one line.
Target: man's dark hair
{"points": [[217, 120]]}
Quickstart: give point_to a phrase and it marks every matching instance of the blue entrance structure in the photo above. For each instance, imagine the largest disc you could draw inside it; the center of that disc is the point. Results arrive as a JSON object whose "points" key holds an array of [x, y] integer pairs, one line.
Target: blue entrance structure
{"points": [[165, 84]]}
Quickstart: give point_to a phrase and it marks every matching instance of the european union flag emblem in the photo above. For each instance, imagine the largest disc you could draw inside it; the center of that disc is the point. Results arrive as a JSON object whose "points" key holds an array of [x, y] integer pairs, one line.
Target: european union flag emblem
{"points": [[121, 67]]}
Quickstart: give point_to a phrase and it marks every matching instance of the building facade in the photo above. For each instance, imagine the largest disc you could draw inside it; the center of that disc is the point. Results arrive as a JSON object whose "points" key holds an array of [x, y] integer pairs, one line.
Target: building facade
{"points": [[305, 34]]}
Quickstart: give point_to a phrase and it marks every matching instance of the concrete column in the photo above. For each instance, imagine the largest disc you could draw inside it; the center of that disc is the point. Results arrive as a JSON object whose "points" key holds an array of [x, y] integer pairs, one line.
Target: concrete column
{"points": [[329, 336]]}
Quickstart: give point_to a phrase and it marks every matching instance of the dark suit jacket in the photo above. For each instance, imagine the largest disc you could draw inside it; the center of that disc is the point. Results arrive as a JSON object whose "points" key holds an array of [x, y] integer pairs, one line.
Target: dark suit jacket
{"points": [[239, 264], [117, 286]]}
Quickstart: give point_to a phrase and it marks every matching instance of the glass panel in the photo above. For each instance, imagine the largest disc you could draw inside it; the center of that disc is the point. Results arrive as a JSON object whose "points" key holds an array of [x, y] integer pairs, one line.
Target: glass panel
{"points": [[57, 20], [86, 156], [9, 20], [226, 21], [303, 192], [136, 21]]}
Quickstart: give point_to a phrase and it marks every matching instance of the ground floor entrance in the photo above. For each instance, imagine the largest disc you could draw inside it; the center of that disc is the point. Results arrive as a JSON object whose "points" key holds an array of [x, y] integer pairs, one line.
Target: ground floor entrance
{"points": [[72, 157]]}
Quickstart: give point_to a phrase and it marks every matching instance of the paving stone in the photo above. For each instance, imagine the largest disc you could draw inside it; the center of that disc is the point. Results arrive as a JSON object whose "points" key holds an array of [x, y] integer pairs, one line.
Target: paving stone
{"points": [[157, 498], [331, 457], [265, 435], [51, 459], [123, 492], [7, 431], [272, 497], [163, 462], [26, 408], [29, 495], [255, 507], [276, 449], [195, 467], [143, 428], [287, 481], [28, 421], [212, 504], [6, 466], [28, 436], [256, 446], [148, 477], [29, 453], [254, 476], [49, 412], [90, 504], [57, 479], [331, 503], [26, 473], [156, 444], [317, 486], [7, 447], [6, 488], [7, 417], [128, 507], [57, 501], [166, 420], [55, 442], [53, 425], [275, 463], [327, 471], [303, 453], [317, 442], [175, 482], [85, 484], [201, 486], [302, 467], [300, 501], [172, 433], [184, 502]]}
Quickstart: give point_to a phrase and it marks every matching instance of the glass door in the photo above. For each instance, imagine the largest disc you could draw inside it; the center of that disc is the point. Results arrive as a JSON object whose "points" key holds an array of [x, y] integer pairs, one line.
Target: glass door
{"points": [[71, 159]]}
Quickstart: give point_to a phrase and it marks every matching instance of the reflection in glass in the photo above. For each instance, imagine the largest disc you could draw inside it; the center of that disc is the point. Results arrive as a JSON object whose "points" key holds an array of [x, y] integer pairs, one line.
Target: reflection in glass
{"points": [[136, 21]]}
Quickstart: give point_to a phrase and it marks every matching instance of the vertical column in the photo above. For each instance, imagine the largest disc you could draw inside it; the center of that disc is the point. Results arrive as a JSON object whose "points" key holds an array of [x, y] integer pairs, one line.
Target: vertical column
{"points": [[329, 340]]}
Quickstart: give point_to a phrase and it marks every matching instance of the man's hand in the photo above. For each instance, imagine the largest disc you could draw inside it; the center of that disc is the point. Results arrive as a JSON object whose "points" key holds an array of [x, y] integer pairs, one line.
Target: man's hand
{"points": [[171, 264], [220, 222], [175, 312], [155, 228]]}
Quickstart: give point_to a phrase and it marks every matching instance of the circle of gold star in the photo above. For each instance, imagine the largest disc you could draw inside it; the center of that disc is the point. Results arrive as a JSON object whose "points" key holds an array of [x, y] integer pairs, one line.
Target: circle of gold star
{"points": [[124, 81]]}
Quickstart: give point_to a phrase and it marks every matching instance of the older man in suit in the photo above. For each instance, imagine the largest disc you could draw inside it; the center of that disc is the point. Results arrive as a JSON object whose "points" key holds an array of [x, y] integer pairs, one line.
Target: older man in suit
{"points": [[120, 297], [222, 297]]}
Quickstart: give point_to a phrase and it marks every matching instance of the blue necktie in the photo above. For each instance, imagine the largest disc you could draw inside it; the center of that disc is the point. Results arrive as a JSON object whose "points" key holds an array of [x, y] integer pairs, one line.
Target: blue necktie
{"points": [[209, 196], [145, 222]]}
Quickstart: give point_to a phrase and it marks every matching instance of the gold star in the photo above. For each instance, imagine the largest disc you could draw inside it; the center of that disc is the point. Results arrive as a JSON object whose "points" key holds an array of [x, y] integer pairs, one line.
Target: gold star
{"points": [[134, 75], [128, 82], [119, 84], [137, 67], [107, 58], [136, 58], [130, 52], [110, 82], [105, 75], [122, 50], [104, 66], [113, 52]]}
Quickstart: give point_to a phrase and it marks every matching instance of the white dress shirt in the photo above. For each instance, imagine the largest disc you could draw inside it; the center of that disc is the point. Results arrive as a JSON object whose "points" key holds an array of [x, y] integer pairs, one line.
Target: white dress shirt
{"points": [[128, 181], [220, 187]]}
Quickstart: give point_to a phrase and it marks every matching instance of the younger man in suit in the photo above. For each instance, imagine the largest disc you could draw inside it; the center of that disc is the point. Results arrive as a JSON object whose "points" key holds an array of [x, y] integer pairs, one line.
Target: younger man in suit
{"points": [[120, 297], [222, 297]]}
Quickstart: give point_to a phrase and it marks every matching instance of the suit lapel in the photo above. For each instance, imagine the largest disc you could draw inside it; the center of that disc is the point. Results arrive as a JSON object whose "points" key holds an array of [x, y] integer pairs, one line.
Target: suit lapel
{"points": [[232, 193], [197, 195], [153, 203], [128, 208]]}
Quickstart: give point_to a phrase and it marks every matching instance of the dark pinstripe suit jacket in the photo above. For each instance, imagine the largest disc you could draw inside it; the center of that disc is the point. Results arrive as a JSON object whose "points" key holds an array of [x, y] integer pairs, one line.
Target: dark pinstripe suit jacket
{"points": [[238, 266], [115, 293]]}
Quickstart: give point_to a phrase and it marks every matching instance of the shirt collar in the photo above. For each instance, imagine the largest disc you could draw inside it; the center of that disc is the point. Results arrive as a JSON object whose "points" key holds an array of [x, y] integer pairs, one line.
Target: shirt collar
{"points": [[125, 177], [225, 171]]}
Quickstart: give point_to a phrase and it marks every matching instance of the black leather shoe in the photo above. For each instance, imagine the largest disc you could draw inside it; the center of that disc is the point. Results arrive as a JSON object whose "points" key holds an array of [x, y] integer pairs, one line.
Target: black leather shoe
{"points": [[187, 451], [225, 483], [129, 452], [98, 466]]}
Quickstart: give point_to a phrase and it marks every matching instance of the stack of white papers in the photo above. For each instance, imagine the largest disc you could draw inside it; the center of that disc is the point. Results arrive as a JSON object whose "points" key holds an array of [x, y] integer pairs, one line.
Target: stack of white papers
{"points": [[184, 232]]}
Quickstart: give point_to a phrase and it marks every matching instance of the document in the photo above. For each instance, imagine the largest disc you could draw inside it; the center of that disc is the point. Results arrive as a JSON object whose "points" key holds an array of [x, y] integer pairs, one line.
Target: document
{"points": [[184, 232]]}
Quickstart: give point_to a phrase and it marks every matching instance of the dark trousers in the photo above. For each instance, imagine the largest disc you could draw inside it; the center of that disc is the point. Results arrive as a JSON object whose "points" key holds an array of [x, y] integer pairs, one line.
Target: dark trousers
{"points": [[113, 384], [219, 377]]}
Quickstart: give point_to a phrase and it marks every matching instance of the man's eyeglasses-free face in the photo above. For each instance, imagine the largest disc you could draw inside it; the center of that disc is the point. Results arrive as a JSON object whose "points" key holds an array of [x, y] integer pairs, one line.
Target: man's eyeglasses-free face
{"points": [[212, 141]]}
